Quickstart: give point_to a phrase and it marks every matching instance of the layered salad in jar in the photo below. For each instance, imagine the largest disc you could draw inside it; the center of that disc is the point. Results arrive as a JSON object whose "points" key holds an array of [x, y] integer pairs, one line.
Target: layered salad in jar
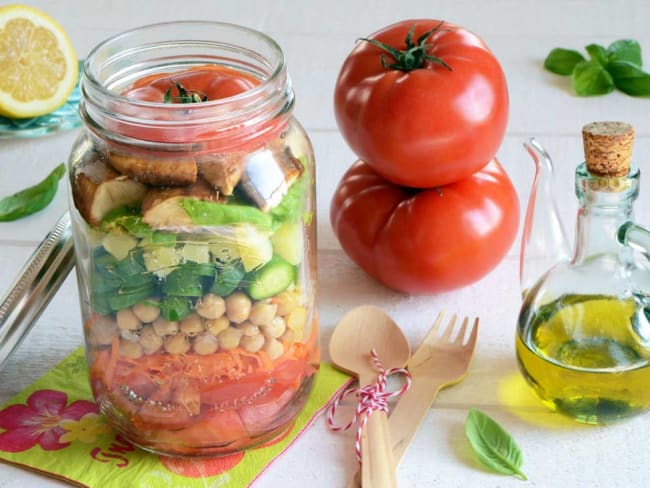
{"points": [[196, 269]]}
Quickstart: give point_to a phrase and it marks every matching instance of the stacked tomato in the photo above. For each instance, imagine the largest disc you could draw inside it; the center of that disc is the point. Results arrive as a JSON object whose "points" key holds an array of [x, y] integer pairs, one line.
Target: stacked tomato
{"points": [[427, 208]]}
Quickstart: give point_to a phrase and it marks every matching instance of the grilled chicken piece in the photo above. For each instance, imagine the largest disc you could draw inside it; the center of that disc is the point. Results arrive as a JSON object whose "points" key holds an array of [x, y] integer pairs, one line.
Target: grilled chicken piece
{"points": [[155, 171], [268, 174], [222, 171], [97, 189], [161, 207]]}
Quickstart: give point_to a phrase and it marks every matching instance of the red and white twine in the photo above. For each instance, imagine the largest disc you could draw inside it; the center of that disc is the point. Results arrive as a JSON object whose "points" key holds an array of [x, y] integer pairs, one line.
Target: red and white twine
{"points": [[370, 398]]}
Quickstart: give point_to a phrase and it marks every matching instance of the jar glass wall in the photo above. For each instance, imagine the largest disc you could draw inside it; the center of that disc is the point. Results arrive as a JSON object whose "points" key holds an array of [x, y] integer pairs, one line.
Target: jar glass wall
{"points": [[193, 210]]}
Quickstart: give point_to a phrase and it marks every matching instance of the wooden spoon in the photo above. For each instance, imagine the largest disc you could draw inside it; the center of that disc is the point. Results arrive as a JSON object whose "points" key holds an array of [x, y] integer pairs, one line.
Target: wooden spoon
{"points": [[359, 331]]}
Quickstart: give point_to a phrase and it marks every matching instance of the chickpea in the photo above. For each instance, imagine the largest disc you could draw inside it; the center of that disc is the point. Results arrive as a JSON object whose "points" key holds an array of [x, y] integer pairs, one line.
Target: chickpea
{"points": [[130, 349], [262, 313], [191, 325], [248, 329], [128, 335], [102, 330], [238, 307], [273, 348], [205, 343], [149, 340], [217, 325], [211, 306], [146, 312], [229, 338], [289, 337], [126, 320], [177, 344], [286, 302], [164, 327], [252, 343], [297, 318], [275, 329]]}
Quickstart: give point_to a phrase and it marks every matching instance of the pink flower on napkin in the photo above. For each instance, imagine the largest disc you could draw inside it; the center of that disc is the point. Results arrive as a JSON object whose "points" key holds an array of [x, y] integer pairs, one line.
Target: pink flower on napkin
{"points": [[39, 421]]}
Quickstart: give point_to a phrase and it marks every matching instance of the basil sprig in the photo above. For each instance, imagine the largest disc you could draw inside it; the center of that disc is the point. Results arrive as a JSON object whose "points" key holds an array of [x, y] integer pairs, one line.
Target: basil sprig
{"points": [[618, 66], [184, 96], [494, 447]]}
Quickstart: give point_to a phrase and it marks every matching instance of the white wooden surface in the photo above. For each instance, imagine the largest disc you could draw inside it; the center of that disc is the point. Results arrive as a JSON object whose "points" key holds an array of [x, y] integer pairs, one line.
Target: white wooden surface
{"points": [[316, 36]]}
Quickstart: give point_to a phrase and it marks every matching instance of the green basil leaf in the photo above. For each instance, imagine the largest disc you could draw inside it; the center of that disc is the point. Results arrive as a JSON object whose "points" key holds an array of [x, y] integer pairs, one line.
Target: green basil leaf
{"points": [[629, 78], [494, 447], [175, 308], [32, 199], [562, 61], [215, 214], [598, 53], [625, 50], [591, 78]]}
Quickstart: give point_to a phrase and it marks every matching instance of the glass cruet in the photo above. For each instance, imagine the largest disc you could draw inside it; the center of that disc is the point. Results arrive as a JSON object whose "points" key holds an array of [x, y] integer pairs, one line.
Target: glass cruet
{"points": [[583, 335]]}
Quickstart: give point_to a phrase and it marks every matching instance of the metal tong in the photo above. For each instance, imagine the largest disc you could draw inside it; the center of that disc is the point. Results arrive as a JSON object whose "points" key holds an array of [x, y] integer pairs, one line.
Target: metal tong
{"points": [[36, 284]]}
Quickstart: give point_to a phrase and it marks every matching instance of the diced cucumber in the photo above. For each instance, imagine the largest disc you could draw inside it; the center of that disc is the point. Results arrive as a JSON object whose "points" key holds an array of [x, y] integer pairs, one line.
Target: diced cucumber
{"points": [[161, 260], [271, 279], [288, 242], [196, 252], [253, 246], [228, 278], [223, 247]]}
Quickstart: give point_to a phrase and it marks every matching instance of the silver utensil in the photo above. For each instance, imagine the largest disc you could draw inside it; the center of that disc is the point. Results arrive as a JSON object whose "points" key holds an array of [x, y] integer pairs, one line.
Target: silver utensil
{"points": [[36, 284]]}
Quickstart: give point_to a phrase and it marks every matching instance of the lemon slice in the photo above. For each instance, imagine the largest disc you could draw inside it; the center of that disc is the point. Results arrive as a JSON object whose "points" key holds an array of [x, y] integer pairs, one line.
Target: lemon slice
{"points": [[38, 65]]}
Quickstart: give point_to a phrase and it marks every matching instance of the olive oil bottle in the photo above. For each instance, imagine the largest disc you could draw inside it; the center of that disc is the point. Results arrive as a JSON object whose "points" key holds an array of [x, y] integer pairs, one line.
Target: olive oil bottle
{"points": [[583, 337], [587, 357]]}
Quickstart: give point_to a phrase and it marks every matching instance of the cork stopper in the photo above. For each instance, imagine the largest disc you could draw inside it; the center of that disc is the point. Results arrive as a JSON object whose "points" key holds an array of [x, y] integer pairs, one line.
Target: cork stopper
{"points": [[608, 148]]}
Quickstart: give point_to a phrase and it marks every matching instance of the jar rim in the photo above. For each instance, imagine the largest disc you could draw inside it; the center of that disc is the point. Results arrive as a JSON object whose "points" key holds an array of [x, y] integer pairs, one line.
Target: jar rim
{"points": [[279, 68], [119, 61]]}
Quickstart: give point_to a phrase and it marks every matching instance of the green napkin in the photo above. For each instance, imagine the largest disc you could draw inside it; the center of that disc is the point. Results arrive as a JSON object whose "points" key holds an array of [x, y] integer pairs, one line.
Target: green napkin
{"points": [[53, 427]]}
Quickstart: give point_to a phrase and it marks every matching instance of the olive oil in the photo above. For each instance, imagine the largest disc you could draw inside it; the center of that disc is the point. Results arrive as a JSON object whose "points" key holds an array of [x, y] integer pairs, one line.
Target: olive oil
{"points": [[588, 357]]}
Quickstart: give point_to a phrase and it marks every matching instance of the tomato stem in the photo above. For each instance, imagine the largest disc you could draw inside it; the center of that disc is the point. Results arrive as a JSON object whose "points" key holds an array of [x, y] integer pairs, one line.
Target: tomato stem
{"points": [[415, 54], [183, 96]]}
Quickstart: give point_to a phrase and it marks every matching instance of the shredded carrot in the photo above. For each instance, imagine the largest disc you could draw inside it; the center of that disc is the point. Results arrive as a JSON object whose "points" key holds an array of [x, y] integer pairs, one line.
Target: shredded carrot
{"points": [[88, 323], [167, 378], [265, 361], [112, 361], [209, 370]]}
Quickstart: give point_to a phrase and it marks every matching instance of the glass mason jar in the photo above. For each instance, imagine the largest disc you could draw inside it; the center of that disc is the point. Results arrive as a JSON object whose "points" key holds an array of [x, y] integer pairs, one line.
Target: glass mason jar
{"points": [[192, 203]]}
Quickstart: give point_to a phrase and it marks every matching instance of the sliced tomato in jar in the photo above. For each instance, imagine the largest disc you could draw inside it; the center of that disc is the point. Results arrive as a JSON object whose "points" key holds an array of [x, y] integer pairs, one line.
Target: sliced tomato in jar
{"points": [[210, 81], [193, 89], [212, 429]]}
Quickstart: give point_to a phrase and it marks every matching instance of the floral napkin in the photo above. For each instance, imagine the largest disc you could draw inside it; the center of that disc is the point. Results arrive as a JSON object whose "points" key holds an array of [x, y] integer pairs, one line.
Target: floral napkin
{"points": [[53, 427]]}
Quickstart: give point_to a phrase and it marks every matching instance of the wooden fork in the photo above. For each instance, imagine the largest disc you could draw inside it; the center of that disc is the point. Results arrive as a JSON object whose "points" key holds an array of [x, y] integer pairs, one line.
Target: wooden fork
{"points": [[442, 360]]}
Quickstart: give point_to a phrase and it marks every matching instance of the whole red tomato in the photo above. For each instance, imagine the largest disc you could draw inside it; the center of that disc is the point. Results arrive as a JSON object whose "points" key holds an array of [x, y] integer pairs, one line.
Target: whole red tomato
{"points": [[428, 118], [425, 241]]}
